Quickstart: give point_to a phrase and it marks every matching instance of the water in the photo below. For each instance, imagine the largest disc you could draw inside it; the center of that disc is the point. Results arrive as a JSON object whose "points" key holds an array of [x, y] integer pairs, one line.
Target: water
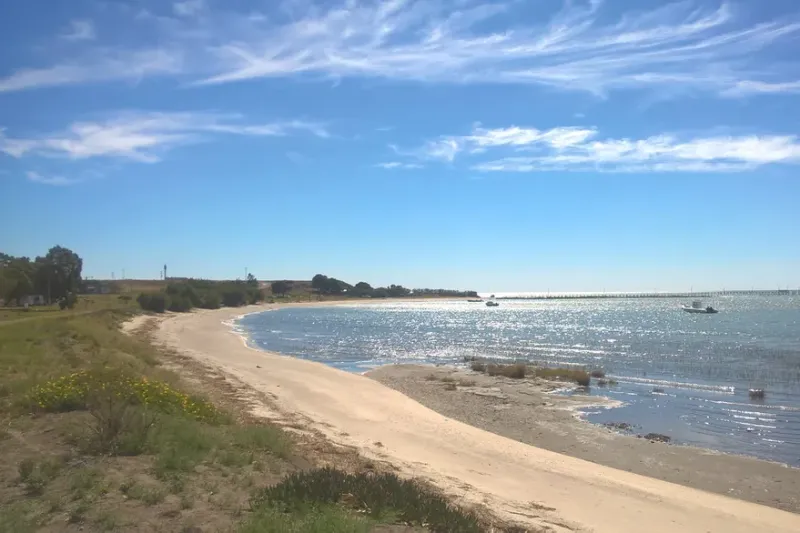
{"points": [[679, 374]]}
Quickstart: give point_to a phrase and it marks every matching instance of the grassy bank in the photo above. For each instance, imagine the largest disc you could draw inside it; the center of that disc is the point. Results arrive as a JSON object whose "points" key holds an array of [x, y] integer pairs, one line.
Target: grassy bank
{"points": [[99, 435]]}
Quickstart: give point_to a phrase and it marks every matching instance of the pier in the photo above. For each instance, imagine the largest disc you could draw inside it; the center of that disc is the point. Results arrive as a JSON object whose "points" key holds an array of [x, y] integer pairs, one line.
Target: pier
{"points": [[685, 295]]}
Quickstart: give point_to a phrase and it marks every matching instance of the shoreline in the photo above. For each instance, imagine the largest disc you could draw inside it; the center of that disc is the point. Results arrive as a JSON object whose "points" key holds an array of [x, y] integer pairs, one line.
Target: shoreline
{"points": [[521, 483], [531, 411]]}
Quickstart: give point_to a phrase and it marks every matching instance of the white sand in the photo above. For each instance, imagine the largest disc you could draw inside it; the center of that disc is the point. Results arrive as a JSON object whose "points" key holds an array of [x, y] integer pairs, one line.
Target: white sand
{"points": [[518, 481]]}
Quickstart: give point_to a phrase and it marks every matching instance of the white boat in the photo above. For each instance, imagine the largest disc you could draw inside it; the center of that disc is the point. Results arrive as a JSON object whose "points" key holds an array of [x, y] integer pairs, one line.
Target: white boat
{"points": [[492, 304], [698, 307]]}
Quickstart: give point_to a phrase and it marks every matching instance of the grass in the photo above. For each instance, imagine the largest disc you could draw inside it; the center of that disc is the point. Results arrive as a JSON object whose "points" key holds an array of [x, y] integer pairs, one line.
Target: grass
{"points": [[17, 518], [326, 519], [598, 373], [97, 432], [147, 494]]}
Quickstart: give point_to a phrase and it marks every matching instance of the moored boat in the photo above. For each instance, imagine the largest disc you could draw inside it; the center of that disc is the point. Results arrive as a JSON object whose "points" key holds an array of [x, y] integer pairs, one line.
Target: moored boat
{"points": [[697, 307]]}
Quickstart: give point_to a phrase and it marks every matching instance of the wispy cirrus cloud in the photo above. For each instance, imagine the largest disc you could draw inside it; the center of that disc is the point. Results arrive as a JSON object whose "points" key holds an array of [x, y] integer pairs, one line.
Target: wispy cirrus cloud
{"points": [[59, 181], [144, 136], [79, 30], [583, 46], [516, 149], [399, 165], [188, 8], [98, 66]]}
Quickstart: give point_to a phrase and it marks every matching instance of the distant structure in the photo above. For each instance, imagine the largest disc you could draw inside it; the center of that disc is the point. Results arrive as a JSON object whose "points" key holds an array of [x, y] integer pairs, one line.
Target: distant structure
{"points": [[165, 271]]}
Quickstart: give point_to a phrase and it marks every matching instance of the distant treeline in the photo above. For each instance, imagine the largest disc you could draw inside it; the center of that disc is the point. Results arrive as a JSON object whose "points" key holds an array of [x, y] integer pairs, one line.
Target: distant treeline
{"points": [[331, 286], [182, 296]]}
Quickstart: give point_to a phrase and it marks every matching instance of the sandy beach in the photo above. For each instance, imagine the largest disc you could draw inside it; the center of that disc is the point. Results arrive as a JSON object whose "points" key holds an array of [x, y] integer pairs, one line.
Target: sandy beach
{"points": [[530, 485]]}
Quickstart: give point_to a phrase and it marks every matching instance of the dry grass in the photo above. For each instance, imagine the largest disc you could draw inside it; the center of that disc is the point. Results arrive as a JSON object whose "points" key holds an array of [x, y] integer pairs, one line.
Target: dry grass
{"points": [[513, 371], [579, 376]]}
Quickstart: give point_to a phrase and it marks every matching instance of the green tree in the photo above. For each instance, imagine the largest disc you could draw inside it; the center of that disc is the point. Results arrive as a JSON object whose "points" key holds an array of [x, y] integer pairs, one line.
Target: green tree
{"points": [[60, 272], [281, 287], [362, 288], [251, 280]]}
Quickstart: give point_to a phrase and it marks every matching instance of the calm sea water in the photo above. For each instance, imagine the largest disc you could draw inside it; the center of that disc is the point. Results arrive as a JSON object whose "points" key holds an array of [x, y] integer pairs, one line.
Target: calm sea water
{"points": [[679, 374]]}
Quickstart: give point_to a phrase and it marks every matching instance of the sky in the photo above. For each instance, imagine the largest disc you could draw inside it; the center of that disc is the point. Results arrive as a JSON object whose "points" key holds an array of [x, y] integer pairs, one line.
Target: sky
{"points": [[525, 145]]}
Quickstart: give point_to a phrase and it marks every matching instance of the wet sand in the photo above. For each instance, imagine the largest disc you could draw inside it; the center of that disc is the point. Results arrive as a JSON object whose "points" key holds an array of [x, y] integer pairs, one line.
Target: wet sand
{"points": [[525, 411]]}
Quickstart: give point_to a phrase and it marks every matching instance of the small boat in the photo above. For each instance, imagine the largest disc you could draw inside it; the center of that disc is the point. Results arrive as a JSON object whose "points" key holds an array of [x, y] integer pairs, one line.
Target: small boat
{"points": [[492, 304], [697, 307]]}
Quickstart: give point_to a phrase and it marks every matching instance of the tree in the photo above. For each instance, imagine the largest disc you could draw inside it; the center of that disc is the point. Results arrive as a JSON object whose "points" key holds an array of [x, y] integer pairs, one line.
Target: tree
{"points": [[319, 282], [281, 287], [60, 272], [251, 280], [362, 288], [398, 291]]}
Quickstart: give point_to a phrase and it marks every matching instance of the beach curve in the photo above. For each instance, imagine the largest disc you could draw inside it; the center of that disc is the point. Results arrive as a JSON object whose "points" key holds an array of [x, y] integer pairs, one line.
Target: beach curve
{"points": [[517, 481]]}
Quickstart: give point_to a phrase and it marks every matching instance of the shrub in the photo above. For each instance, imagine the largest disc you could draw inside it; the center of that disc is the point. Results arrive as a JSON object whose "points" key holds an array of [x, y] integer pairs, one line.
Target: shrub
{"points": [[478, 366], [78, 391], [234, 298], [210, 300], [515, 371], [68, 301], [579, 376], [152, 301], [598, 373], [374, 494], [179, 303]]}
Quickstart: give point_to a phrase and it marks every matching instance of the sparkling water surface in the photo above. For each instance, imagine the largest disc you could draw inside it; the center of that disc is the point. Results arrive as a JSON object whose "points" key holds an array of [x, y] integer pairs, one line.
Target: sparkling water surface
{"points": [[680, 374]]}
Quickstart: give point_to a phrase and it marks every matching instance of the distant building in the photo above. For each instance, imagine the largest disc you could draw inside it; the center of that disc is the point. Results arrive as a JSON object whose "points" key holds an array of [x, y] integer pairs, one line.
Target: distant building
{"points": [[96, 287], [32, 299]]}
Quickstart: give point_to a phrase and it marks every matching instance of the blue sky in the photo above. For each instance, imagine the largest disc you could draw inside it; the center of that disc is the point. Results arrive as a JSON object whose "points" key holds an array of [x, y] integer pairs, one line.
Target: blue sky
{"points": [[501, 146]]}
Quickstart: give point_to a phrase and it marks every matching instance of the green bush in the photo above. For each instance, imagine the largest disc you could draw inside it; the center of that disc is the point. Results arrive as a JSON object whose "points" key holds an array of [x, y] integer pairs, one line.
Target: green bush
{"points": [[179, 303], [152, 301], [210, 300], [377, 495], [234, 298]]}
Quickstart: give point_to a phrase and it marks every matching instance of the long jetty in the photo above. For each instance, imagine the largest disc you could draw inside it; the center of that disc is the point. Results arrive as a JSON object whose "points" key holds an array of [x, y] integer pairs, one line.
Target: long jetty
{"points": [[686, 295]]}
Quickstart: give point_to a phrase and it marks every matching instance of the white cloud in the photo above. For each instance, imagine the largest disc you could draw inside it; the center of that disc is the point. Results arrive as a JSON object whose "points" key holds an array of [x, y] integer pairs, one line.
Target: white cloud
{"points": [[79, 30], [188, 8], [399, 165], [585, 46], [100, 67], [747, 87], [581, 47], [662, 153], [144, 137], [50, 180]]}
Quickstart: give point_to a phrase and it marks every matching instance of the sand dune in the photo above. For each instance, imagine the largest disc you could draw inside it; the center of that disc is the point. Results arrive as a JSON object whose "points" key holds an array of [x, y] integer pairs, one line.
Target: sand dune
{"points": [[520, 482]]}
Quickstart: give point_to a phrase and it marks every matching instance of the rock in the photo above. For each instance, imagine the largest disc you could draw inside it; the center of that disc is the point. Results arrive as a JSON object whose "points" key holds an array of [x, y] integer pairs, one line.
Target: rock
{"points": [[657, 437], [618, 426]]}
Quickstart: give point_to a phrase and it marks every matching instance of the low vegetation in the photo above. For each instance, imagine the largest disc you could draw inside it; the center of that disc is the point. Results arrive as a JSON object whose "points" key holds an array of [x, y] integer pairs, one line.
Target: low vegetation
{"points": [[522, 370], [99, 436], [579, 376], [375, 496], [183, 296]]}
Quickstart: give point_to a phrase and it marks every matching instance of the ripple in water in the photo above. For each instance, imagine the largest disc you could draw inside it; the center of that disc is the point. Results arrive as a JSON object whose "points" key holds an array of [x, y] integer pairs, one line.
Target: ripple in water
{"points": [[679, 374]]}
